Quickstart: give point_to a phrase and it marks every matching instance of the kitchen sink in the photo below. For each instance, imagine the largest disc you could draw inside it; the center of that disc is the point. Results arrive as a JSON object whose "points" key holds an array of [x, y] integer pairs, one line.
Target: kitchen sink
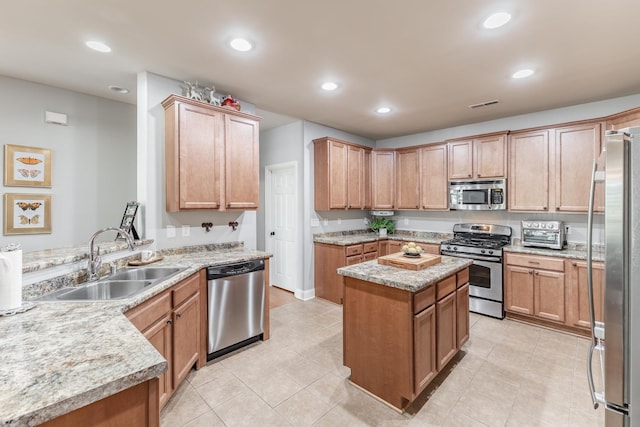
{"points": [[122, 284], [148, 273]]}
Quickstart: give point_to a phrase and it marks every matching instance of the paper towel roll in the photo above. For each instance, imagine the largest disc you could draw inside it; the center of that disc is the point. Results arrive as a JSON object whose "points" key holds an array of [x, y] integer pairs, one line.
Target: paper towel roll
{"points": [[10, 280]]}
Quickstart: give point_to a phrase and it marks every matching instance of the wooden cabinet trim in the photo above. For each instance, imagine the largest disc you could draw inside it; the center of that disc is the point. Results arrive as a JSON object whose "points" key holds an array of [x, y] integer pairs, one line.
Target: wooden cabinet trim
{"points": [[370, 247], [353, 250], [424, 299], [186, 288], [535, 261], [462, 277], [445, 287], [147, 313]]}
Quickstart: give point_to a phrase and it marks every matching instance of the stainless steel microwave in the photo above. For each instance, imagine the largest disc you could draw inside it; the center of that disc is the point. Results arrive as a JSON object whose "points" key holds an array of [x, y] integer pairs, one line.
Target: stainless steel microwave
{"points": [[478, 195]]}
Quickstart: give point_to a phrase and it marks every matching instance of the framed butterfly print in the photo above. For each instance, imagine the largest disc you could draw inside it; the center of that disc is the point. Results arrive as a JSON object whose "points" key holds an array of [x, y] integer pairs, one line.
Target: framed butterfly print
{"points": [[27, 213], [27, 166]]}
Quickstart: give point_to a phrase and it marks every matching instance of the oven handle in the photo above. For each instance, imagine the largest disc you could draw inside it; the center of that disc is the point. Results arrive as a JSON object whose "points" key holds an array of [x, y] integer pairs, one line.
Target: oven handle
{"points": [[474, 257]]}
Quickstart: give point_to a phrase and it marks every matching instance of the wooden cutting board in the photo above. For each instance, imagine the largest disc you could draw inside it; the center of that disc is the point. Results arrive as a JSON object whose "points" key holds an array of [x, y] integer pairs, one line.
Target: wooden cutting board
{"points": [[399, 260]]}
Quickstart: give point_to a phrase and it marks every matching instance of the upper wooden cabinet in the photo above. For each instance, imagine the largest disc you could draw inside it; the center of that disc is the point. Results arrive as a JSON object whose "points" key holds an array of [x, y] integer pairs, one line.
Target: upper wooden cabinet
{"points": [[550, 169], [433, 173], [383, 179], [481, 157], [629, 118], [341, 175], [421, 178], [408, 171], [211, 156]]}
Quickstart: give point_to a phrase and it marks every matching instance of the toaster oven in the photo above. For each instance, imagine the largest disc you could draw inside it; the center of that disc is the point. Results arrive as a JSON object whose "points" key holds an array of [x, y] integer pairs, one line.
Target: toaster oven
{"points": [[543, 234]]}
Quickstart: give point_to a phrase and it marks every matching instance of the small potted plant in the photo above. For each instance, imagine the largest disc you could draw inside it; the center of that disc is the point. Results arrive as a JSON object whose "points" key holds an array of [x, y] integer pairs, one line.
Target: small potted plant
{"points": [[382, 226]]}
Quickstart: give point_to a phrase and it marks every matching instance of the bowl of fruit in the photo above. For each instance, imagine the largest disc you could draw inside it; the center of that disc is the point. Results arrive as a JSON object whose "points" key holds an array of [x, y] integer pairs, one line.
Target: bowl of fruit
{"points": [[411, 250]]}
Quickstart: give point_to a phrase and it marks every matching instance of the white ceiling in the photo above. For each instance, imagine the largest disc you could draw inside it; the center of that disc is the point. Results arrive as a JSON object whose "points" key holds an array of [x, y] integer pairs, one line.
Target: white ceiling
{"points": [[427, 59]]}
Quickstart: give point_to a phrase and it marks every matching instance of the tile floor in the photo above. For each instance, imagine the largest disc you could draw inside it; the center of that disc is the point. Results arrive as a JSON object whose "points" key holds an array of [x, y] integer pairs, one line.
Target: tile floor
{"points": [[508, 374]]}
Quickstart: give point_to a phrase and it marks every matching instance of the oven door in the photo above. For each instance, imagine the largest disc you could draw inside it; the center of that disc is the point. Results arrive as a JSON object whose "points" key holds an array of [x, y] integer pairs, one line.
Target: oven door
{"points": [[485, 280]]}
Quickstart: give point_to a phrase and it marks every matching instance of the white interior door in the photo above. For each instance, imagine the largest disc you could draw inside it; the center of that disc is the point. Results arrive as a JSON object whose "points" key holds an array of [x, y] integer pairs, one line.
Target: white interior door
{"points": [[281, 211]]}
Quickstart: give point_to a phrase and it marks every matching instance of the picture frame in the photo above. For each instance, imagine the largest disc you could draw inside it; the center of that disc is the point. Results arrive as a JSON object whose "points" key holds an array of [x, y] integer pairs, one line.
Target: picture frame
{"points": [[27, 213], [27, 166], [128, 218]]}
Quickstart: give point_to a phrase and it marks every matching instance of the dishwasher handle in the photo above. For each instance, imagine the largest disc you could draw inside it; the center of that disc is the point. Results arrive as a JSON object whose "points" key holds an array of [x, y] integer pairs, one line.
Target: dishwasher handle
{"points": [[234, 269]]}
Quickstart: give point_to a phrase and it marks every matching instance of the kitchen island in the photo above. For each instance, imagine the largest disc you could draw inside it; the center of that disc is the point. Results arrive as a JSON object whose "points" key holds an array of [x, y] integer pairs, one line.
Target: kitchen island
{"points": [[402, 327]]}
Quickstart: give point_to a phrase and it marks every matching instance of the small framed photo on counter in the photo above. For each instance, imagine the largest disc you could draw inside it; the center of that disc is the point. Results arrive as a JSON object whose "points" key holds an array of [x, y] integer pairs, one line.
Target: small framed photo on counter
{"points": [[128, 218], [27, 213]]}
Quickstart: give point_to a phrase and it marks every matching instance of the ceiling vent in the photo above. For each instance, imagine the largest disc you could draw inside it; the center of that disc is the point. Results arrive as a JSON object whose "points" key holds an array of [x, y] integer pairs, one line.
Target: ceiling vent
{"points": [[484, 104]]}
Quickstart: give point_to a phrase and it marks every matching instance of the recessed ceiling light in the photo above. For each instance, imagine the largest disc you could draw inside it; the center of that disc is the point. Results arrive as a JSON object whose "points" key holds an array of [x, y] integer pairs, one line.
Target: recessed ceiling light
{"points": [[118, 89], [99, 46], [521, 74], [383, 110], [241, 45], [329, 86], [496, 20]]}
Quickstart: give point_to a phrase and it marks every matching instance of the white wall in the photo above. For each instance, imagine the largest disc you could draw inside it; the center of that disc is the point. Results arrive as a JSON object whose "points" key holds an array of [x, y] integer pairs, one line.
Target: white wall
{"points": [[152, 90], [94, 158]]}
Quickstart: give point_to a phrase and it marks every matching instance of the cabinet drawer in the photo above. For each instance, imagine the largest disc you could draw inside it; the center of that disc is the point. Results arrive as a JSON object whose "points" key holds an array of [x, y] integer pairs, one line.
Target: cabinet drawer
{"points": [[370, 256], [370, 247], [353, 250], [445, 287], [147, 313], [462, 277], [424, 299], [184, 290], [543, 263], [354, 259]]}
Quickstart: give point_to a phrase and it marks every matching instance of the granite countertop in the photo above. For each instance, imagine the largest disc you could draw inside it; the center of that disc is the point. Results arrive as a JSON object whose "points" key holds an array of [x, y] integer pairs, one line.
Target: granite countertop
{"points": [[401, 278], [572, 251], [61, 356], [346, 238]]}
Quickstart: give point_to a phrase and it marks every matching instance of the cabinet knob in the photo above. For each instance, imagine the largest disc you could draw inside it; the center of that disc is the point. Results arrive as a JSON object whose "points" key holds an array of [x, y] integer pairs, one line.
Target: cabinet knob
{"points": [[557, 208], [544, 208], [273, 233], [469, 176], [530, 271], [178, 315], [169, 322], [417, 207], [575, 264], [478, 175]]}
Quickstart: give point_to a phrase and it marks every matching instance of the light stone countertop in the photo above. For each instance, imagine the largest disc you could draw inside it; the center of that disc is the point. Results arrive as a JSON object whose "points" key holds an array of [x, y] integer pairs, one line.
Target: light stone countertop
{"points": [[346, 238], [571, 252], [61, 356], [402, 278]]}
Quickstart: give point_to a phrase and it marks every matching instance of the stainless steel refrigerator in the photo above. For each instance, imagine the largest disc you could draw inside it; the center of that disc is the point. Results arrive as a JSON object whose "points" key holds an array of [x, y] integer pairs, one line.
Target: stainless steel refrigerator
{"points": [[615, 344]]}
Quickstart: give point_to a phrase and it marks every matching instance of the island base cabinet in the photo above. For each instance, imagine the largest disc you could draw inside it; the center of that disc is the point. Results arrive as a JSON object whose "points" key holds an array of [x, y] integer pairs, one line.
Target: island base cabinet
{"points": [[135, 406], [396, 341]]}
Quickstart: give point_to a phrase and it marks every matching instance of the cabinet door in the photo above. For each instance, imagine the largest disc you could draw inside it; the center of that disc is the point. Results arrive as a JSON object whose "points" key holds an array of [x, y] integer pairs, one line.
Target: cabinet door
{"points": [[186, 336], [159, 335], [200, 144], [462, 312], [528, 184], [430, 248], [355, 181], [461, 159], [576, 147], [395, 246], [433, 173], [327, 283], [382, 179], [548, 291], [242, 163], [383, 247], [408, 179], [446, 320], [490, 157], [424, 348], [579, 302], [518, 287], [366, 177]]}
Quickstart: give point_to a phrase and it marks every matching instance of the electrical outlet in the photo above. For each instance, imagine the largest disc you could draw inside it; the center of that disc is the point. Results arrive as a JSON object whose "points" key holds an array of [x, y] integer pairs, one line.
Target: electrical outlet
{"points": [[186, 231], [339, 221], [171, 231], [325, 222], [315, 222], [406, 221]]}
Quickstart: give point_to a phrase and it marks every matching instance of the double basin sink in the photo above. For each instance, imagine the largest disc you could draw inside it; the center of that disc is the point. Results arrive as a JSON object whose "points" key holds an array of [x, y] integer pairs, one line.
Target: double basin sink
{"points": [[122, 284]]}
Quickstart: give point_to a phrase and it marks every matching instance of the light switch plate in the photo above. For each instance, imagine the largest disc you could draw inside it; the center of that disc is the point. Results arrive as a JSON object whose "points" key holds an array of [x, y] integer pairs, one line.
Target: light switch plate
{"points": [[406, 221], [171, 231], [186, 231], [315, 222], [325, 222]]}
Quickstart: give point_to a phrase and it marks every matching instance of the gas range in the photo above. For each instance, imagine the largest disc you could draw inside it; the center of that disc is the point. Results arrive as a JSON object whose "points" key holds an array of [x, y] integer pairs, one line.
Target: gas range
{"points": [[481, 240]]}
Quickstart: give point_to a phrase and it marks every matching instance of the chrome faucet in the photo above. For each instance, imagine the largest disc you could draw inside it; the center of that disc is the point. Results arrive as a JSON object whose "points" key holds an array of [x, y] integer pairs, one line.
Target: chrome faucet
{"points": [[93, 266]]}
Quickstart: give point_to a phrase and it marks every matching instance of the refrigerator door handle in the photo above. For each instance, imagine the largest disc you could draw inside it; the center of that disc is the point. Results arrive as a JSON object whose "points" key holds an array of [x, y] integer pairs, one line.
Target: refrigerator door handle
{"points": [[594, 339]]}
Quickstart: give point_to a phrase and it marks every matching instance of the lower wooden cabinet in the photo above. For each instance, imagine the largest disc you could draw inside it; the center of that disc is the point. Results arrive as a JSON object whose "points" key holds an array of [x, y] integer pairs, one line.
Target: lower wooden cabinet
{"points": [[552, 291], [446, 326], [535, 286], [172, 322], [328, 258], [424, 350], [578, 295], [462, 311]]}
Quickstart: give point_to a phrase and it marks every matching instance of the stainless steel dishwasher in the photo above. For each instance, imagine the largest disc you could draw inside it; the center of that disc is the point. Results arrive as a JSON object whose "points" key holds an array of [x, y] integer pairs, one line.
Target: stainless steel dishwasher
{"points": [[235, 306]]}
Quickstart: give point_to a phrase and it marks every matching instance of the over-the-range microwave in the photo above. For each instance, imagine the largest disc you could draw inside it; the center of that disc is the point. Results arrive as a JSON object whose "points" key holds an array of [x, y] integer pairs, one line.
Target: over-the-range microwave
{"points": [[478, 195]]}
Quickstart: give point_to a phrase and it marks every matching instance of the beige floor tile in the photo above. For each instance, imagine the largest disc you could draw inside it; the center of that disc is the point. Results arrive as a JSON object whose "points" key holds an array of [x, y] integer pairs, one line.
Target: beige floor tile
{"points": [[339, 416], [221, 389], [276, 387], [205, 374], [304, 408], [305, 371], [185, 405], [532, 410], [241, 408], [332, 388], [208, 419], [595, 418]]}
